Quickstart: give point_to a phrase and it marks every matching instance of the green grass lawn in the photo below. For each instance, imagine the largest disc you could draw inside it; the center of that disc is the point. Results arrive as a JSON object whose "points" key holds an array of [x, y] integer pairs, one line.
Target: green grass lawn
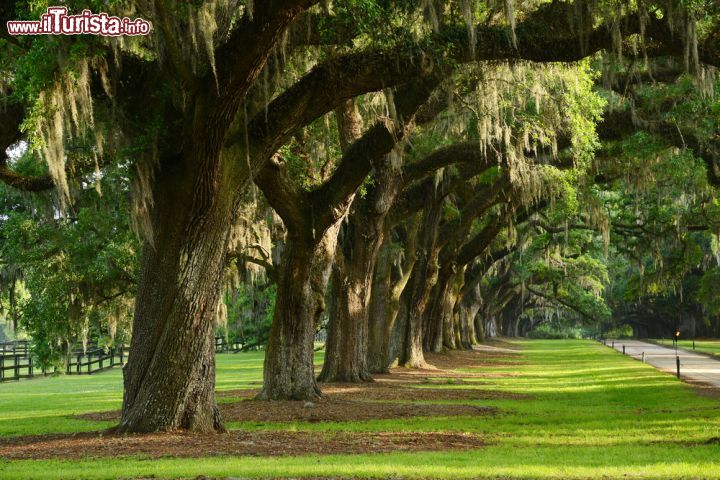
{"points": [[711, 347], [594, 414]]}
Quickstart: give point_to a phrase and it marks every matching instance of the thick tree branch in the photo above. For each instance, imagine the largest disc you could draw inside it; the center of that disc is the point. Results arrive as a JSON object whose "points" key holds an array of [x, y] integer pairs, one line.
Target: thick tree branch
{"points": [[487, 196], [283, 194], [359, 157], [242, 56], [270, 269], [482, 240], [562, 302], [12, 117], [544, 36], [468, 152], [620, 124], [22, 182], [412, 199]]}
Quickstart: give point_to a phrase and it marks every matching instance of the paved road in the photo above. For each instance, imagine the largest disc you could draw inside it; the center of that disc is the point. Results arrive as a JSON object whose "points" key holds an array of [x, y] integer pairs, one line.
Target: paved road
{"points": [[693, 366]]}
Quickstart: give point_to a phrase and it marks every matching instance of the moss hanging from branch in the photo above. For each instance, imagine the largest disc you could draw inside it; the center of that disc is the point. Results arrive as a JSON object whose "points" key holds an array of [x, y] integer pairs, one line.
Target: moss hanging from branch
{"points": [[62, 111]]}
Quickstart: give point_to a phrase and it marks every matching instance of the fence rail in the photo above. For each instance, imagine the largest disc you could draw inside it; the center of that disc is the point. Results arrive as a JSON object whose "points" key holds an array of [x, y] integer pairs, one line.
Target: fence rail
{"points": [[20, 367], [221, 346], [20, 347], [95, 361], [16, 361]]}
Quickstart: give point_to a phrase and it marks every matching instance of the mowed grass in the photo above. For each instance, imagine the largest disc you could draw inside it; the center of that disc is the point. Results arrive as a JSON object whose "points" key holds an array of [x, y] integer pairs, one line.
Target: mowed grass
{"points": [[593, 414], [45, 405], [711, 347]]}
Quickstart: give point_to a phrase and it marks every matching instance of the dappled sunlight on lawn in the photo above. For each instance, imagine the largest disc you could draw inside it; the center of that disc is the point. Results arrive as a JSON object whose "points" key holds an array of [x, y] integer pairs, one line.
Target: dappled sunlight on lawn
{"points": [[573, 409]]}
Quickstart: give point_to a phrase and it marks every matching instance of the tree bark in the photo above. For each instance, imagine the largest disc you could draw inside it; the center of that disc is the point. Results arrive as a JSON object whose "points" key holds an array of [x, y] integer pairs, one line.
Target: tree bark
{"points": [[169, 379], [346, 357], [468, 308], [289, 367], [456, 333], [439, 330], [387, 305], [378, 338], [346, 347], [423, 279]]}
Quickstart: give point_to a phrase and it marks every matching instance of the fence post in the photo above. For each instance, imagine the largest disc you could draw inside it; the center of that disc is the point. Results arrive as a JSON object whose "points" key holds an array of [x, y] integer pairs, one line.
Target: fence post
{"points": [[17, 367], [2, 368], [122, 360], [30, 367], [112, 357], [623, 349], [79, 363], [677, 364], [643, 357], [613, 344]]}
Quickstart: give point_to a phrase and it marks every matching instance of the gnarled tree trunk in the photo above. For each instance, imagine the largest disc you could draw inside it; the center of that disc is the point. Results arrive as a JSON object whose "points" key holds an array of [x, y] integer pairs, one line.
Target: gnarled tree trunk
{"points": [[346, 357], [289, 368], [169, 379], [387, 302], [346, 347], [378, 333], [439, 330], [423, 279]]}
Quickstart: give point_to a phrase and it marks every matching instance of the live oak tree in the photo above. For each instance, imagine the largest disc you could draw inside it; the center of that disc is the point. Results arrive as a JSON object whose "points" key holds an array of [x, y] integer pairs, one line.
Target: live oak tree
{"points": [[367, 224], [187, 191], [204, 106]]}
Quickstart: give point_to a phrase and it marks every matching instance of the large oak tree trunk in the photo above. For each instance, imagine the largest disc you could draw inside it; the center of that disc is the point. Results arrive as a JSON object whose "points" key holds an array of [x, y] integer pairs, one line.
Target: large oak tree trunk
{"points": [[464, 313], [346, 347], [432, 322], [468, 308], [491, 327], [169, 379], [300, 301], [423, 280], [452, 331], [389, 304], [346, 357], [439, 330], [480, 323], [378, 322]]}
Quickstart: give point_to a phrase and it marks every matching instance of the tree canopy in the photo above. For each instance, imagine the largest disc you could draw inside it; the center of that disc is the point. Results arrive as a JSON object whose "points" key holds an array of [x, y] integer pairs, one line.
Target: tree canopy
{"points": [[390, 176]]}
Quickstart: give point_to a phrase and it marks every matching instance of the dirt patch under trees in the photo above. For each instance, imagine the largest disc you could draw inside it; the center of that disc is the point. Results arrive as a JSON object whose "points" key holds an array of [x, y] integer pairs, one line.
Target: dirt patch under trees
{"points": [[402, 393], [330, 408], [261, 443]]}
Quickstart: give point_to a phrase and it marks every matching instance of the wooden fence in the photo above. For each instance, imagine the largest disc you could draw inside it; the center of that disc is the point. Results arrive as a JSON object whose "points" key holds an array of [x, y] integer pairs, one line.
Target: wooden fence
{"points": [[95, 360], [16, 361], [19, 347], [221, 346]]}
